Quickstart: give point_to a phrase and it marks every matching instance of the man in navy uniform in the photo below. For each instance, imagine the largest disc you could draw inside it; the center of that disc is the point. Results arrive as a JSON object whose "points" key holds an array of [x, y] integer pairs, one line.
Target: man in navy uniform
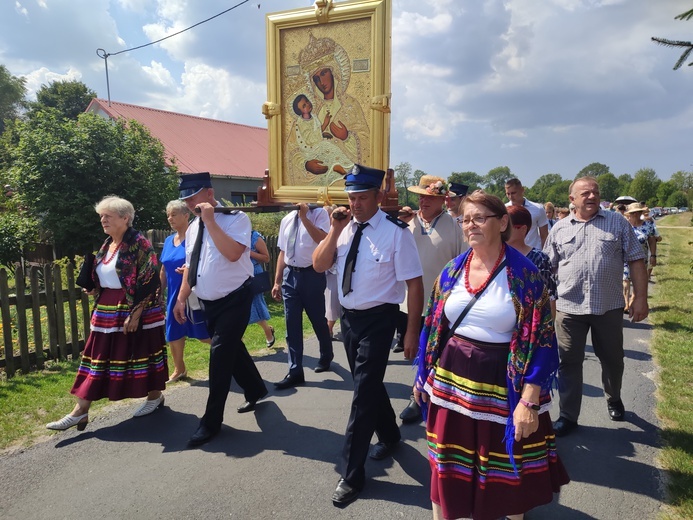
{"points": [[376, 261], [302, 288], [218, 270]]}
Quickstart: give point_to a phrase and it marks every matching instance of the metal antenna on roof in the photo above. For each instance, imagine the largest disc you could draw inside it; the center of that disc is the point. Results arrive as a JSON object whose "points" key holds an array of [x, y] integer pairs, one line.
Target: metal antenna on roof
{"points": [[104, 55]]}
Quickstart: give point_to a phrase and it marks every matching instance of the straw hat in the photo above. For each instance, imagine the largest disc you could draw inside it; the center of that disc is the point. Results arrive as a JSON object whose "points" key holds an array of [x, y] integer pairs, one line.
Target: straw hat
{"points": [[636, 207], [431, 185]]}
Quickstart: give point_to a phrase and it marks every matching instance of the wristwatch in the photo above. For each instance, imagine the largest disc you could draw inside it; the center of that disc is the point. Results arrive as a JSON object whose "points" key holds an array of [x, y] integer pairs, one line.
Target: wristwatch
{"points": [[529, 405]]}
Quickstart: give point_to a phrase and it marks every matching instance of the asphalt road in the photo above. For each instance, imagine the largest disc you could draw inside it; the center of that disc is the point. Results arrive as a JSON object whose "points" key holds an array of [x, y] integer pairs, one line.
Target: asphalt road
{"points": [[279, 462]]}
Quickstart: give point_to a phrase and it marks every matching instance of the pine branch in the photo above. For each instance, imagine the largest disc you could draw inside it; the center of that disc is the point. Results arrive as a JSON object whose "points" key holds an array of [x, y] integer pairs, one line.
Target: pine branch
{"points": [[688, 48], [685, 16]]}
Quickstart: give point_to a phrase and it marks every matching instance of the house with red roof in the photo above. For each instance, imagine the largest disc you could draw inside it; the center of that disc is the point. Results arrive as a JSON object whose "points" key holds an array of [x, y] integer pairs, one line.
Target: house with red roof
{"points": [[236, 156]]}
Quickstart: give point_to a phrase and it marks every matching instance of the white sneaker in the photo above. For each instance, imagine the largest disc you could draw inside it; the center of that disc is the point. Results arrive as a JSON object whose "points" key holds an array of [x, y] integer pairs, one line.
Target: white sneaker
{"points": [[149, 406]]}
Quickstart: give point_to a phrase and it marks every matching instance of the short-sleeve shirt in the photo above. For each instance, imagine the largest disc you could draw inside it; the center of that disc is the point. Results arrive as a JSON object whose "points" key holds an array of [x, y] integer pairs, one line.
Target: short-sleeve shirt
{"points": [[436, 246], [305, 245], [387, 257], [588, 259], [217, 276], [539, 219]]}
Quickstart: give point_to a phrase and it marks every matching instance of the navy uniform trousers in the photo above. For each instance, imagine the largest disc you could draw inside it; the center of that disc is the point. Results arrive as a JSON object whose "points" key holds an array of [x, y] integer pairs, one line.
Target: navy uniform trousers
{"points": [[227, 319], [367, 338], [304, 289]]}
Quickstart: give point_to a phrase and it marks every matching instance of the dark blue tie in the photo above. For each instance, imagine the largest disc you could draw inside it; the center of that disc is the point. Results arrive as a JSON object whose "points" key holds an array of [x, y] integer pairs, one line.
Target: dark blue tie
{"points": [[350, 264]]}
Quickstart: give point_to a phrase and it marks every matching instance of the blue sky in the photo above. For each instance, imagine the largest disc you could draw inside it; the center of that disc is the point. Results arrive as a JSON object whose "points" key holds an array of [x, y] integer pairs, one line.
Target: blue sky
{"points": [[539, 86]]}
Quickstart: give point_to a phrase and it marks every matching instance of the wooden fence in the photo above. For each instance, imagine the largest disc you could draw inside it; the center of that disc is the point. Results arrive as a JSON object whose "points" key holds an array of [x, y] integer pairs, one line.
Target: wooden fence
{"points": [[157, 237], [45, 322], [55, 324]]}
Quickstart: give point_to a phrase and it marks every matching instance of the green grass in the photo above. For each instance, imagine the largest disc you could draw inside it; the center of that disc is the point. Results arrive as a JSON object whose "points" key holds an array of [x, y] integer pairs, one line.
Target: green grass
{"points": [[671, 310], [31, 400]]}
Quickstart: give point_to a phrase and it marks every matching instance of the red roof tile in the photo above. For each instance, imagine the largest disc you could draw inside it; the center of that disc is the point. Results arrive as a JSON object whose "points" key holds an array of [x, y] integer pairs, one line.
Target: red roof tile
{"points": [[197, 143]]}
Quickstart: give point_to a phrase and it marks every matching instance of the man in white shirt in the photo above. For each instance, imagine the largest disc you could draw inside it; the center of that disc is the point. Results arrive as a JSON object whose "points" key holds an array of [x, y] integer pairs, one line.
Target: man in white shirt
{"points": [[536, 236], [302, 288], [218, 270], [376, 260]]}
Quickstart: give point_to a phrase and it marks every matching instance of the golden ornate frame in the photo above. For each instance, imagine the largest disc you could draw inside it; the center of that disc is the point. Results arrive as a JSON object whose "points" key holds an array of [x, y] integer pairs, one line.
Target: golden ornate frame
{"points": [[353, 40]]}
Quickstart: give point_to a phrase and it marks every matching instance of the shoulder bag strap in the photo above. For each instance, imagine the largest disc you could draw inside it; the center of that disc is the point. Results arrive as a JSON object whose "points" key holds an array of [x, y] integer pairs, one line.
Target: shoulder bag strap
{"points": [[471, 303]]}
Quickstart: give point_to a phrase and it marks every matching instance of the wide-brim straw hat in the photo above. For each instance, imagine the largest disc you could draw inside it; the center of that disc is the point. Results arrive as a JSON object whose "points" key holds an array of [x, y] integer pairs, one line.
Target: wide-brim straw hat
{"points": [[431, 185], [636, 207]]}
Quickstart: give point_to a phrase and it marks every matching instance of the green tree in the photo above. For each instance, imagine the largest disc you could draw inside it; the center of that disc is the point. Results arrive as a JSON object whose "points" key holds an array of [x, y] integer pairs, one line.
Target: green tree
{"points": [[608, 186], [63, 167], [403, 179], [664, 191], [471, 179], [495, 180], [683, 181], [644, 186], [558, 194], [594, 169], [677, 199], [69, 98], [540, 189], [12, 92], [624, 182]]}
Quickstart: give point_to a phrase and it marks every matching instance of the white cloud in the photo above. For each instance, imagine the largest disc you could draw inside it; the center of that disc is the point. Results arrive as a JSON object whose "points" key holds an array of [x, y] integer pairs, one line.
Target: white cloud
{"points": [[21, 9]]}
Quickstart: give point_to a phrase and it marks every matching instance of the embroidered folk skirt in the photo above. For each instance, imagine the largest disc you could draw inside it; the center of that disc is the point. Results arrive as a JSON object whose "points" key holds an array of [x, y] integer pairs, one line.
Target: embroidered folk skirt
{"points": [[116, 365], [471, 473]]}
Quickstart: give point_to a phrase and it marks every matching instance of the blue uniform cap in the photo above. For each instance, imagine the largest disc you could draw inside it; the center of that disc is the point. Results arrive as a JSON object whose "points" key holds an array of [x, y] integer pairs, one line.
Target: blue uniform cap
{"points": [[363, 178], [193, 183], [458, 189]]}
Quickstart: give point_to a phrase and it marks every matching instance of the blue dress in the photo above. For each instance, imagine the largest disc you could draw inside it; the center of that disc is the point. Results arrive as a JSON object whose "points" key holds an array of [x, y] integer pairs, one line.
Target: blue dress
{"points": [[258, 310], [171, 258]]}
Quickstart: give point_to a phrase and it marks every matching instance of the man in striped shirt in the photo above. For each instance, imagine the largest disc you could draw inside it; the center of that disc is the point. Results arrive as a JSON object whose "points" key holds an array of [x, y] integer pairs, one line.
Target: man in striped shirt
{"points": [[587, 250]]}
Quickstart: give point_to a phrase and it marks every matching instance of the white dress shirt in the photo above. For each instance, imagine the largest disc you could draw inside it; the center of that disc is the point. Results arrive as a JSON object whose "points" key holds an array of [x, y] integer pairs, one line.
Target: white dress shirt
{"points": [[305, 245], [216, 275], [387, 258]]}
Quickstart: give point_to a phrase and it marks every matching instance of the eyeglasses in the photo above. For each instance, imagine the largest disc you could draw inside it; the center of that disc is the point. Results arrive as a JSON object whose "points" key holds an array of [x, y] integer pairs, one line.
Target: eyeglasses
{"points": [[478, 221]]}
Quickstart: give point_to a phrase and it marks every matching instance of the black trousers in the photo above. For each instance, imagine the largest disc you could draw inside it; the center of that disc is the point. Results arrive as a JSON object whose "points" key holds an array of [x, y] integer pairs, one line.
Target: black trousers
{"points": [[367, 338], [227, 319]]}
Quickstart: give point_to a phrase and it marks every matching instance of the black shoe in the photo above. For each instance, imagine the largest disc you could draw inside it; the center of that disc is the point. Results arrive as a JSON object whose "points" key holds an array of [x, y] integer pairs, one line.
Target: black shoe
{"points": [[337, 336], [344, 493], [249, 405], [412, 413], [397, 348], [289, 381], [563, 426], [382, 450], [617, 412], [202, 436], [323, 365]]}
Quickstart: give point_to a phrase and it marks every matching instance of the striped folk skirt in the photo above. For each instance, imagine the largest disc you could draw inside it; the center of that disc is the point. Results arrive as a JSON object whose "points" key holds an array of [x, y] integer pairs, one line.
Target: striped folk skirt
{"points": [[471, 473], [115, 365]]}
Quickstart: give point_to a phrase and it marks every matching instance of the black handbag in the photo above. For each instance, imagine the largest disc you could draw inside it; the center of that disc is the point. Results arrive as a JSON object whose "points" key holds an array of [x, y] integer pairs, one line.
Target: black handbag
{"points": [[84, 278], [260, 283]]}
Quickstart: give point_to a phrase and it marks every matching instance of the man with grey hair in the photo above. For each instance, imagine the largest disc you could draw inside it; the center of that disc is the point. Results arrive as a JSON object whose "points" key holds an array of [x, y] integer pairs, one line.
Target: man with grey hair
{"points": [[587, 250]]}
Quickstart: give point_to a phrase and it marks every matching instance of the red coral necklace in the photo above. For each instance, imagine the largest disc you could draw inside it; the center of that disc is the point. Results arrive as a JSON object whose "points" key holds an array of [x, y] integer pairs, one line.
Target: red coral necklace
{"points": [[107, 259], [467, 266]]}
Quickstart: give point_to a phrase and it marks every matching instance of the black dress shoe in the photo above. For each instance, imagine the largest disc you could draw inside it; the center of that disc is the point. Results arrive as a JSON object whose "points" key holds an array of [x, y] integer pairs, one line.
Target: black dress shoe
{"points": [[617, 411], [412, 413], [290, 381], [202, 436], [563, 426], [344, 493], [249, 405], [323, 365], [382, 450]]}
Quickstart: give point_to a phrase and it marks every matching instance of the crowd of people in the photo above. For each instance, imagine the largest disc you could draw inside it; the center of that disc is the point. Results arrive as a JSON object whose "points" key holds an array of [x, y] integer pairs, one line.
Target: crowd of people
{"points": [[491, 300]]}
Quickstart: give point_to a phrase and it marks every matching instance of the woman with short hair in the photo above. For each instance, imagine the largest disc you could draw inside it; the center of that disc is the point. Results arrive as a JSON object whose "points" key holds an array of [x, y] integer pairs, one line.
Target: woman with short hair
{"points": [[125, 353], [172, 265]]}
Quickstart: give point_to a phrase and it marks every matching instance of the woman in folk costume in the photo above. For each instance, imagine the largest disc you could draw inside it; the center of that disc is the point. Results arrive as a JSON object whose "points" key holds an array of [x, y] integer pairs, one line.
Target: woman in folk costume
{"points": [[125, 353], [484, 385]]}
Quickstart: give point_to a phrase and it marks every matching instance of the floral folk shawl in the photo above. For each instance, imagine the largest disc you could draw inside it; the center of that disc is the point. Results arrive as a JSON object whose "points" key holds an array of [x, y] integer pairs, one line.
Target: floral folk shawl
{"points": [[137, 268], [533, 356]]}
